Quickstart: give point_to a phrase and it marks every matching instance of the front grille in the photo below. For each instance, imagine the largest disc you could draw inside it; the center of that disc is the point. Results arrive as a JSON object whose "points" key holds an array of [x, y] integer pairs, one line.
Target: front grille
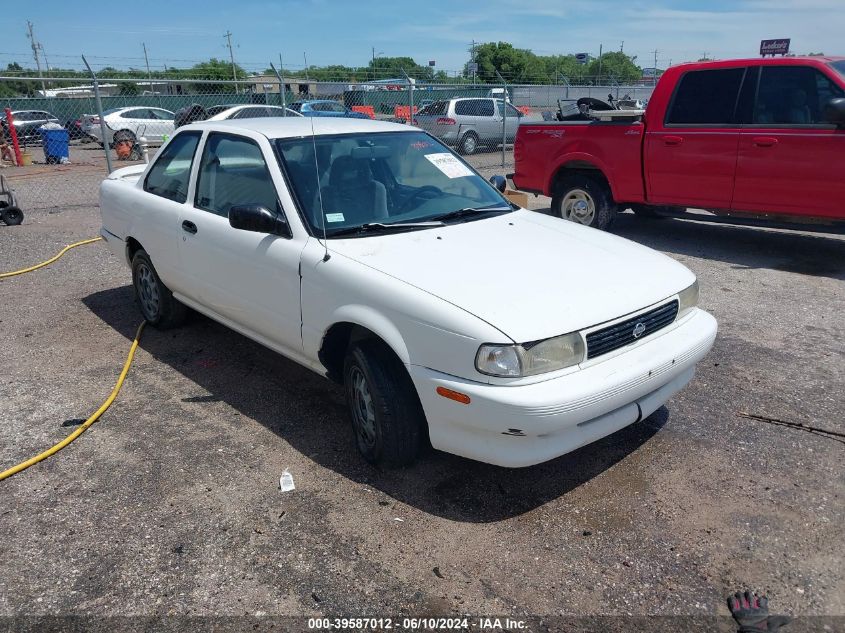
{"points": [[622, 333]]}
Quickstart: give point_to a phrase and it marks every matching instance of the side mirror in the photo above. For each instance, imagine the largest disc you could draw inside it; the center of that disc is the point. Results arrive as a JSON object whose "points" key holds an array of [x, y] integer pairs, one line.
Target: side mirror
{"points": [[834, 112], [254, 217], [500, 182]]}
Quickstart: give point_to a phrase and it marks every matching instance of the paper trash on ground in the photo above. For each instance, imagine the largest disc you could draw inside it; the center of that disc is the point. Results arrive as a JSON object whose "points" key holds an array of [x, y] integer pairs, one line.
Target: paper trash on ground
{"points": [[286, 482]]}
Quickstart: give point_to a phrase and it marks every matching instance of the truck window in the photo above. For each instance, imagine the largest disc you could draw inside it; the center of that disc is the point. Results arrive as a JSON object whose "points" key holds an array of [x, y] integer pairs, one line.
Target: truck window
{"points": [[233, 171], [706, 97], [169, 175], [793, 95]]}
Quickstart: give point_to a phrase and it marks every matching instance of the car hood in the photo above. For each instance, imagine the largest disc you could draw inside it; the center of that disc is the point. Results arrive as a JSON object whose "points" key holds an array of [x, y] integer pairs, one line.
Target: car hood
{"points": [[529, 275]]}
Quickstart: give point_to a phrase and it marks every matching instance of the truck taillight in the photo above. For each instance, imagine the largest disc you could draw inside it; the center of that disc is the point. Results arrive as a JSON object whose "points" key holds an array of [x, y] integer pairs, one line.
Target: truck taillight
{"points": [[444, 120]]}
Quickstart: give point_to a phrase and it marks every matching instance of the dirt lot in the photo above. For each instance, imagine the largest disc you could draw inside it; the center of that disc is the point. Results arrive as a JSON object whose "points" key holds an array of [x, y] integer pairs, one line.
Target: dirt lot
{"points": [[170, 505]]}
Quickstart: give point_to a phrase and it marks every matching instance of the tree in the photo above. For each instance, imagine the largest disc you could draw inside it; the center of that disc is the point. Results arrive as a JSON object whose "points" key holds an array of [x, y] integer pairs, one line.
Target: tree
{"points": [[616, 65], [214, 69], [514, 64], [392, 67], [17, 88]]}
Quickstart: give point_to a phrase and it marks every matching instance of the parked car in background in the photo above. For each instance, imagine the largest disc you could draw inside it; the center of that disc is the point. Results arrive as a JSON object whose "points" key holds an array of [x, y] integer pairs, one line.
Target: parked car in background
{"points": [[75, 131], [246, 111], [753, 141], [469, 123], [26, 124], [151, 123], [398, 282], [326, 108]]}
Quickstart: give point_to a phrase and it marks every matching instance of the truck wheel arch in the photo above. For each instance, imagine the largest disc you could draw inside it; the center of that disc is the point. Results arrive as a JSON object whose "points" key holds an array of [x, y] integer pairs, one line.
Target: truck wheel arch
{"points": [[580, 166]]}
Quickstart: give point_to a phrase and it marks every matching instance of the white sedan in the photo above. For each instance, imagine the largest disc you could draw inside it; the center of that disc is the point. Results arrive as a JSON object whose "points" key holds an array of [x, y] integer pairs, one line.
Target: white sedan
{"points": [[154, 124], [372, 254], [247, 111]]}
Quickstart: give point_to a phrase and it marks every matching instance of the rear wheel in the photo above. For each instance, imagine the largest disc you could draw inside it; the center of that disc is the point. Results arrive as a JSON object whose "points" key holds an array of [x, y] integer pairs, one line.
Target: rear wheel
{"points": [[12, 216], [469, 143], [387, 419], [157, 303], [585, 200]]}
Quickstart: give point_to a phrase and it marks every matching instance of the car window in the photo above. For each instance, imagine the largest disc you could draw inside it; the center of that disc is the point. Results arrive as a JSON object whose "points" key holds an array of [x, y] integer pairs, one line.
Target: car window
{"points": [[512, 112], [474, 107], [328, 107], [138, 113], [161, 115], [706, 97], [793, 95], [385, 177], [438, 108], [250, 113], [22, 116], [169, 175], [233, 171]]}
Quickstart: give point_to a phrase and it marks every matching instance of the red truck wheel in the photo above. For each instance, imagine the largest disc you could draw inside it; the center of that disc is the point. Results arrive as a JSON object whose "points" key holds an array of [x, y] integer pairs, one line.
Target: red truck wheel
{"points": [[584, 200]]}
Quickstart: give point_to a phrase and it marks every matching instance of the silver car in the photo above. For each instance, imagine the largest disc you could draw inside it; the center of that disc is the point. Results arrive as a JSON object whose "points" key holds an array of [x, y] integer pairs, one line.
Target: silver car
{"points": [[469, 123]]}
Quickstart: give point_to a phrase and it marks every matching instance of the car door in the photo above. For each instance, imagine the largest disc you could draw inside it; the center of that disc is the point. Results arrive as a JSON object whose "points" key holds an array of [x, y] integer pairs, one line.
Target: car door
{"points": [[248, 278], [690, 156], [790, 159], [158, 125], [167, 180], [512, 120]]}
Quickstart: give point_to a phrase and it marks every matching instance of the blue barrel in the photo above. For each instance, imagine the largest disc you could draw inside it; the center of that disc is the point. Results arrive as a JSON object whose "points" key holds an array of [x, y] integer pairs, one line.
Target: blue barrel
{"points": [[55, 144]]}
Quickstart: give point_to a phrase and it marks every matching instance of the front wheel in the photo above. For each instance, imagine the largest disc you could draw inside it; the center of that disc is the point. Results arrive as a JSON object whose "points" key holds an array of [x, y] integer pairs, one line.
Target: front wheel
{"points": [[157, 303], [584, 200], [387, 418]]}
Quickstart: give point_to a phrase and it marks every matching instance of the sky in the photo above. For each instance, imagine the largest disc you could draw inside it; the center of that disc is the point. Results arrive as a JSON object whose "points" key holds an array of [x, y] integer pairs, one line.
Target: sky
{"points": [[345, 32]]}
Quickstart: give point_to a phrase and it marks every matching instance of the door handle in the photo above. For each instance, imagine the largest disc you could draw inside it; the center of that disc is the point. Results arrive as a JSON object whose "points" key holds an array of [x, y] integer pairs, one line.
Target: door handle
{"points": [[189, 227], [673, 140], [765, 141]]}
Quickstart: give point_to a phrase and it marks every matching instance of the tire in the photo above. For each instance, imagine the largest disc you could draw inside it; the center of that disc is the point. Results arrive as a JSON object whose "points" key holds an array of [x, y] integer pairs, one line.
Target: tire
{"points": [[387, 419], [124, 135], [12, 216], [158, 306], [584, 200], [468, 144]]}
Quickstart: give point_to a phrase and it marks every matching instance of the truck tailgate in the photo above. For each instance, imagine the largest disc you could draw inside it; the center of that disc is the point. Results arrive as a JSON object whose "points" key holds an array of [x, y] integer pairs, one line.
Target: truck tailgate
{"points": [[615, 149]]}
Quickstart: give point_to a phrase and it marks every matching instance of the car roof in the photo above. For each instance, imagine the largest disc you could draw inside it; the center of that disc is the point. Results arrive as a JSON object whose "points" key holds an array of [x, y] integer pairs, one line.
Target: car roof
{"points": [[297, 127], [760, 61]]}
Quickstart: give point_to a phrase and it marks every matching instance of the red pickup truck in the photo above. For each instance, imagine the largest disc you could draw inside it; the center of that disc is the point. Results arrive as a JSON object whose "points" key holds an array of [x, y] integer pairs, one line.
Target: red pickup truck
{"points": [[754, 141]]}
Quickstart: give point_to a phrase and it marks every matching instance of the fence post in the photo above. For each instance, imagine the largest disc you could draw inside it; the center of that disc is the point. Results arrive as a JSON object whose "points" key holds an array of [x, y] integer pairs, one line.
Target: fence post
{"points": [[504, 115], [281, 89], [100, 114], [410, 97]]}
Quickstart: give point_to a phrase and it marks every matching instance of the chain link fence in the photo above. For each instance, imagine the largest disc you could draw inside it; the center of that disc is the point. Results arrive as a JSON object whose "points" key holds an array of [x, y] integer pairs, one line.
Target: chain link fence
{"points": [[61, 140]]}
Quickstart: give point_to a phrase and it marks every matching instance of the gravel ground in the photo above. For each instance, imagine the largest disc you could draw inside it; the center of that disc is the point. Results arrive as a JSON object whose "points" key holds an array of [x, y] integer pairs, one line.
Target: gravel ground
{"points": [[170, 505]]}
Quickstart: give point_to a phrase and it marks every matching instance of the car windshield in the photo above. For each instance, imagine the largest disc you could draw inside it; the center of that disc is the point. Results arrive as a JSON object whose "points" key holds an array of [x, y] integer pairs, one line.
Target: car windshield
{"points": [[839, 67], [388, 178]]}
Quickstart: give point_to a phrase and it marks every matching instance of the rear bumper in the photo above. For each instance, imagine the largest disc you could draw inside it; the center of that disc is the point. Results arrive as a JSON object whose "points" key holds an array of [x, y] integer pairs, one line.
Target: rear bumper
{"points": [[517, 426]]}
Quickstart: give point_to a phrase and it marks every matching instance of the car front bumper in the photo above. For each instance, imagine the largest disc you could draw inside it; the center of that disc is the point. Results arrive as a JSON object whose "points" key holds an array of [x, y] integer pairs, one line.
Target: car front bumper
{"points": [[516, 426]]}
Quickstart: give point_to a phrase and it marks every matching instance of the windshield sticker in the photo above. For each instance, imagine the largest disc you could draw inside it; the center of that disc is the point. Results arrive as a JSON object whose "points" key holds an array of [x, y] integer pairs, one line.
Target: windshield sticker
{"points": [[421, 144], [334, 217], [449, 165]]}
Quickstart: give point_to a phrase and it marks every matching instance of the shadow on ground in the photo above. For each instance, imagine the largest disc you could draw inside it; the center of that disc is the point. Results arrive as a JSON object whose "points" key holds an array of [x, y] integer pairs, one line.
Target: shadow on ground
{"points": [[747, 248], [309, 413]]}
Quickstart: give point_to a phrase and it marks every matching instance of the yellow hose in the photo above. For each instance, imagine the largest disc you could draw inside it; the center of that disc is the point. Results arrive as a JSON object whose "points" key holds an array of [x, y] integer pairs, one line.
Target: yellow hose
{"points": [[49, 261], [55, 449]]}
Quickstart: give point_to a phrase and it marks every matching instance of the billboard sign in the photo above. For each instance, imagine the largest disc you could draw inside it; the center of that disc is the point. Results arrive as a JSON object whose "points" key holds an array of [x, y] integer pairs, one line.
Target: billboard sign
{"points": [[649, 72], [582, 58], [774, 47]]}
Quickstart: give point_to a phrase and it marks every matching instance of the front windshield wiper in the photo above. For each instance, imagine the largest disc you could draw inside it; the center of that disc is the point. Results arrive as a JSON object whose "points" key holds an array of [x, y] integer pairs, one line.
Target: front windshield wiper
{"points": [[380, 227], [468, 211]]}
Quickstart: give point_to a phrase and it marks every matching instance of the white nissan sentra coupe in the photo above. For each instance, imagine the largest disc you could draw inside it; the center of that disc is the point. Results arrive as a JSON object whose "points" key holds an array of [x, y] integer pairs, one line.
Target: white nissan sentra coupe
{"points": [[372, 254]]}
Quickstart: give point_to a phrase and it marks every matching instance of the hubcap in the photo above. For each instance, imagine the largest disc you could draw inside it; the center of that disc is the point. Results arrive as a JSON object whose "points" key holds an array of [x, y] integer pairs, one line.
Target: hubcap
{"points": [[362, 408], [148, 292], [469, 144], [579, 206]]}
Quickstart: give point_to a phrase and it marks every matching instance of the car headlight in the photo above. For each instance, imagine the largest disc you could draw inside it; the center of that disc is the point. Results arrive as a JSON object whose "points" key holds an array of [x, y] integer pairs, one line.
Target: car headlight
{"points": [[530, 359], [687, 299]]}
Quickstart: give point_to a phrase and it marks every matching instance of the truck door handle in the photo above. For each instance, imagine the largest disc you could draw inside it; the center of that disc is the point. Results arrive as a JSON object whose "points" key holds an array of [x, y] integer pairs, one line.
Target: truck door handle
{"points": [[765, 141], [673, 140], [189, 227]]}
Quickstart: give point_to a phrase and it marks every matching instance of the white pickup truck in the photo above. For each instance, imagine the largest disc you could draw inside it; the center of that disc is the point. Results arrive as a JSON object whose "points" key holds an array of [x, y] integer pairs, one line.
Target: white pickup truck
{"points": [[372, 254]]}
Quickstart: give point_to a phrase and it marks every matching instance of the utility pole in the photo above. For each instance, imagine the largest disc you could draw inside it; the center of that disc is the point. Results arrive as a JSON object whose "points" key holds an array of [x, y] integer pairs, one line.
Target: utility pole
{"points": [[228, 36], [655, 66], [307, 80], [600, 49], [472, 59], [622, 47], [34, 43], [147, 60]]}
